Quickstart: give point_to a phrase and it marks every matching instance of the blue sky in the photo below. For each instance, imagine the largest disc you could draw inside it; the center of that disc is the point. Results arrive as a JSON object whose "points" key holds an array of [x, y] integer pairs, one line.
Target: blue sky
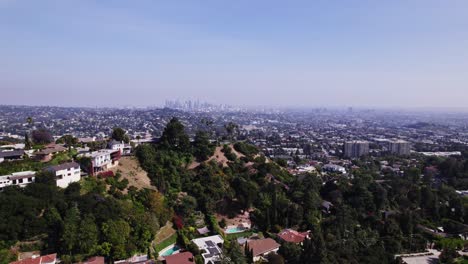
{"points": [[277, 53]]}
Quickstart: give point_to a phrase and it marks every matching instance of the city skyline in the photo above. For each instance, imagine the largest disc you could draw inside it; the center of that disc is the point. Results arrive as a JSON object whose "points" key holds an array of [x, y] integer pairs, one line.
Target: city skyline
{"points": [[321, 54]]}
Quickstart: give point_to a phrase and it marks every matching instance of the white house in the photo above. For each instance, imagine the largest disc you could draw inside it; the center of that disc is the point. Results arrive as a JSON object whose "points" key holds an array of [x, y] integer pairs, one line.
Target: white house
{"points": [[102, 160], [210, 248], [125, 149], [66, 173], [334, 168], [117, 145], [21, 179]]}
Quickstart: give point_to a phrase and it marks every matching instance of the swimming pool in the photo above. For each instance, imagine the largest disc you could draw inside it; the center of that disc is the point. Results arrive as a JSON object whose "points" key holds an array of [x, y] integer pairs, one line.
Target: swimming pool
{"points": [[171, 251], [232, 230]]}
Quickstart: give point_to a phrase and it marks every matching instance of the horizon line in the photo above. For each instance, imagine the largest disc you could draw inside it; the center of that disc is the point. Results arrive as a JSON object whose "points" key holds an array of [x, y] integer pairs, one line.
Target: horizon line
{"points": [[453, 109]]}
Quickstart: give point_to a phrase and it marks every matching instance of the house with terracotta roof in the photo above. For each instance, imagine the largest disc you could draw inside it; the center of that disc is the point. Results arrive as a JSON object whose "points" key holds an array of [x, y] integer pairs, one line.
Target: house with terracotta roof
{"points": [[262, 247], [293, 236], [49, 151], [94, 260], [180, 258], [136, 259], [48, 259]]}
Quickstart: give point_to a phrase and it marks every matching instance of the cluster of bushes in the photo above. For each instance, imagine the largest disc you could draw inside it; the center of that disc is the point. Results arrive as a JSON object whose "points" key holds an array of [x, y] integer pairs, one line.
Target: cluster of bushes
{"points": [[115, 182], [79, 223], [228, 153], [213, 225], [246, 149]]}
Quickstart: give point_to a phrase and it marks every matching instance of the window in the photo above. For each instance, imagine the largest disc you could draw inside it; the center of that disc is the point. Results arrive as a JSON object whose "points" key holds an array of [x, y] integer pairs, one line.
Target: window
{"points": [[69, 174], [20, 180], [30, 179], [14, 181], [60, 177]]}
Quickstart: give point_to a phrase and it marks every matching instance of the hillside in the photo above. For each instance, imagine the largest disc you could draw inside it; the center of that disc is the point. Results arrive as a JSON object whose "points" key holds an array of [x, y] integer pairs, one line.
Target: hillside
{"points": [[219, 157], [131, 170]]}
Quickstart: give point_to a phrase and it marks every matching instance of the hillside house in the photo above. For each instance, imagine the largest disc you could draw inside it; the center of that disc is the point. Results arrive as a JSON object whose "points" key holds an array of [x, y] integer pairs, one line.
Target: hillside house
{"points": [[11, 155], [293, 236], [21, 179], [47, 153], [180, 258], [210, 248], [48, 259], [262, 247], [66, 173], [125, 149], [102, 160]]}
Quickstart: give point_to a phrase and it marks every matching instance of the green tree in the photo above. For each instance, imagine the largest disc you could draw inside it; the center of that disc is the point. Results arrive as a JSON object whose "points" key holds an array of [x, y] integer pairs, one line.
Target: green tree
{"points": [[104, 249], [70, 230], [275, 258], [46, 177], [233, 253], [117, 233], [6, 256], [118, 134], [42, 136], [27, 142], [174, 136], [186, 206], [55, 227], [246, 192], [291, 252], [88, 235], [448, 256], [202, 148], [314, 250], [69, 140], [232, 130]]}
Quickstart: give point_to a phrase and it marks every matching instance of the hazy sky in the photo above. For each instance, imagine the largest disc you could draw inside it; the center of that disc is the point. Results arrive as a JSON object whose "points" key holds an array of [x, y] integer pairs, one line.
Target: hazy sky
{"points": [[242, 52]]}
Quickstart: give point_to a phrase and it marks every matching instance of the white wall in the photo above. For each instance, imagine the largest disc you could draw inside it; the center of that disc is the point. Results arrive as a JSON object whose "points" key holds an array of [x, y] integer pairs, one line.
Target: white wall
{"points": [[67, 176], [102, 160]]}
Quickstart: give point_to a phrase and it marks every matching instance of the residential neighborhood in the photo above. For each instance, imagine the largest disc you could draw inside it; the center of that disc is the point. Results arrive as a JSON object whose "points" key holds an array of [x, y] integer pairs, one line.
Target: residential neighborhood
{"points": [[307, 159]]}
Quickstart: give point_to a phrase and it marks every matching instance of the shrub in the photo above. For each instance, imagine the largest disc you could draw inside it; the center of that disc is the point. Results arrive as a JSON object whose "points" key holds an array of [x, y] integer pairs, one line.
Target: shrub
{"points": [[246, 149]]}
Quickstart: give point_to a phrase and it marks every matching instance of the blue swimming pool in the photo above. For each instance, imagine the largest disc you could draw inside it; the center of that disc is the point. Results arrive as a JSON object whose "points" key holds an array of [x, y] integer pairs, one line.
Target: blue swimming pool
{"points": [[170, 251], [233, 230]]}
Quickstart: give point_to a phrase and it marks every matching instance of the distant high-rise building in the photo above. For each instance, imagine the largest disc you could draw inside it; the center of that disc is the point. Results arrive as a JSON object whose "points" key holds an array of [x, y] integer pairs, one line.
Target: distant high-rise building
{"points": [[355, 149], [399, 147]]}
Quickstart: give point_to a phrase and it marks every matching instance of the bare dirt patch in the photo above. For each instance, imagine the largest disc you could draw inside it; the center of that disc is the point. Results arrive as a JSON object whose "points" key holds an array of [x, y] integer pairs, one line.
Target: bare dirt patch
{"points": [[134, 173], [218, 156], [238, 154], [238, 219], [164, 233]]}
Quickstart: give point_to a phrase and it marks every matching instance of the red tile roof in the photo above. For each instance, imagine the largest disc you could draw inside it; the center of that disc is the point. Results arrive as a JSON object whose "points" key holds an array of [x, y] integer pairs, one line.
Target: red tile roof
{"points": [[52, 258], [94, 260], [180, 258], [293, 236], [261, 246]]}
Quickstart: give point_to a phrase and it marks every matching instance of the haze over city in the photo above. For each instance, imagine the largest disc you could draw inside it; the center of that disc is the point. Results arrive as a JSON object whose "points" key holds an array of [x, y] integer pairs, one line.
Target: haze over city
{"points": [[247, 53]]}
